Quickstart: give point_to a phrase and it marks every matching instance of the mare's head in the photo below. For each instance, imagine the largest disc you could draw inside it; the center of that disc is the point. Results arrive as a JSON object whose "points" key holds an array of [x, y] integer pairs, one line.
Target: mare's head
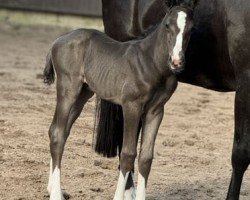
{"points": [[179, 22]]}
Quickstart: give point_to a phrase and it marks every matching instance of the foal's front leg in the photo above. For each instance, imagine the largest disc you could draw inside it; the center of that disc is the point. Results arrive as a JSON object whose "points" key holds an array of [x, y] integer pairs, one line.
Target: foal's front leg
{"points": [[150, 127], [132, 113], [130, 192]]}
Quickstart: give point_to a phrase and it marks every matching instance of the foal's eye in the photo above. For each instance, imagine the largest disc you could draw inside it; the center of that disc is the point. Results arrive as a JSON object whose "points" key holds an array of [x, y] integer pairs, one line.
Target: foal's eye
{"points": [[167, 23]]}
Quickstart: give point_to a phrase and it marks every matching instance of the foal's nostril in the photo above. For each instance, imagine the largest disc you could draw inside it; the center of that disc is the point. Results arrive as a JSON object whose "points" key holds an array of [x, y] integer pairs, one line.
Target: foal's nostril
{"points": [[177, 62]]}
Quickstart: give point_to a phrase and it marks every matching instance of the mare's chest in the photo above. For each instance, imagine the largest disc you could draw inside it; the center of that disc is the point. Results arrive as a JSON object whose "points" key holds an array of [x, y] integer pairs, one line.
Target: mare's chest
{"points": [[238, 32], [209, 62]]}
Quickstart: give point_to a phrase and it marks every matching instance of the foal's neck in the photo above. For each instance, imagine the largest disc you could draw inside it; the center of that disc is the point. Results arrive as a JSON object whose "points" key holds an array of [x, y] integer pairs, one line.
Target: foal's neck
{"points": [[156, 44]]}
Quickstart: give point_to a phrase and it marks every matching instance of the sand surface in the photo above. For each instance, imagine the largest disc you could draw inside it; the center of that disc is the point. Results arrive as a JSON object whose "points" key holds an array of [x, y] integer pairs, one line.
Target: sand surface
{"points": [[193, 147]]}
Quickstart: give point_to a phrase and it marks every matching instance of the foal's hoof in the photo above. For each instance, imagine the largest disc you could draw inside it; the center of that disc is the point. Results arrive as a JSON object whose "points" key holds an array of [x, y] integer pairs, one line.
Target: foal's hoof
{"points": [[66, 195], [130, 194]]}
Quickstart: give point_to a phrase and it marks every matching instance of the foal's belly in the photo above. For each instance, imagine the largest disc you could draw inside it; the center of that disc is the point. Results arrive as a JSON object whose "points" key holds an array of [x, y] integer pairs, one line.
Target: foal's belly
{"points": [[106, 82], [116, 86]]}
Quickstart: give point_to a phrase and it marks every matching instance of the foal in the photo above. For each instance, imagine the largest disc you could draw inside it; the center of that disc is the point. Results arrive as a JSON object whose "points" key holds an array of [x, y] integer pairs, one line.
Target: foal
{"points": [[135, 75]]}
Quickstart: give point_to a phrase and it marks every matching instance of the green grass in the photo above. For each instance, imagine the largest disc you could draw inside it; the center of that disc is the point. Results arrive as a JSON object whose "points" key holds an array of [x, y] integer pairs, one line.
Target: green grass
{"points": [[21, 18]]}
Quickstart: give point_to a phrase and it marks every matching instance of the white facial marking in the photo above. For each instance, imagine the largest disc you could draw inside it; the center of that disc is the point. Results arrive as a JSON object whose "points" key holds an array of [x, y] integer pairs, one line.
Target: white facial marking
{"points": [[141, 188], [130, 194], [56, 192], [181, 23], [120, 190]]}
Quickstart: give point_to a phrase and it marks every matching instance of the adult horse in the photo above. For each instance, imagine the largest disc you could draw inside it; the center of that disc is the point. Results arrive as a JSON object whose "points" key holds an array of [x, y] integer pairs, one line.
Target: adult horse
{"points": [[218, 58]]}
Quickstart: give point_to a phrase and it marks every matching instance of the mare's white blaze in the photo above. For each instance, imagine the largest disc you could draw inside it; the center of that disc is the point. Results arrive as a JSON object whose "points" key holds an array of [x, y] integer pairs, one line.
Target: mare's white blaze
{"points": [[120, 190], [141, 188], [56, 192], [181, 23], [130, 194]]}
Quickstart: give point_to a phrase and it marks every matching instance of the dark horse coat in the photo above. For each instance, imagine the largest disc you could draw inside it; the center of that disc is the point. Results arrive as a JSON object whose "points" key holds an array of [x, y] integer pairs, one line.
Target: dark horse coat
{"points": [[218, 58], [136, 75]]}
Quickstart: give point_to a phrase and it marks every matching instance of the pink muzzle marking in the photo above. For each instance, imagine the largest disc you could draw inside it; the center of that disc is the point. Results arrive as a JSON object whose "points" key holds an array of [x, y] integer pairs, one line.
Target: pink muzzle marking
{"points": [[176, 61]]}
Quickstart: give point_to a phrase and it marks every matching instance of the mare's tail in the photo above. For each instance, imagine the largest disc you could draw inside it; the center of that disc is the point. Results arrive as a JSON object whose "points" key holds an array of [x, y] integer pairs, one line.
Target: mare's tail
{"points": [[48, 72], [109, 129]]}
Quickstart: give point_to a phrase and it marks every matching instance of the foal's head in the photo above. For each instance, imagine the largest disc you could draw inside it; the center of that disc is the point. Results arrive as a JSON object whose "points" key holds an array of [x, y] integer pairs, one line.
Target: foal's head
{"points": [[179, 22]]}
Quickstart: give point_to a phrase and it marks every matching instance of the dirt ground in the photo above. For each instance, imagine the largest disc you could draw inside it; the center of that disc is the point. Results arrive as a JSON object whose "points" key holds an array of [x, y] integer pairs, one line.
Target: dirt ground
{"points": [[192, 153]]}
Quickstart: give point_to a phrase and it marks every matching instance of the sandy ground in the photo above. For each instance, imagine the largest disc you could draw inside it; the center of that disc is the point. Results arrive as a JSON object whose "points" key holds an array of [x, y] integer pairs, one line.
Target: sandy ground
{"points": [[192, 153]]}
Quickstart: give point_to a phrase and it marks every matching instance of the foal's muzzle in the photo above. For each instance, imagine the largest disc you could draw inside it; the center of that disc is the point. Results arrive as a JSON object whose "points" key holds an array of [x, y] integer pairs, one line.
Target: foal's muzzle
{"points": [[177, 63]]}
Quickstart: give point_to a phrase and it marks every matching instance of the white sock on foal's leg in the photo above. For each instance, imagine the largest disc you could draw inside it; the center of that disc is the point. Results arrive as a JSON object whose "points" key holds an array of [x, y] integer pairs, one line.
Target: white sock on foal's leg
{"points": [[120, 190], [130, 193], [141, 188], [50, 177], [54, 185]]}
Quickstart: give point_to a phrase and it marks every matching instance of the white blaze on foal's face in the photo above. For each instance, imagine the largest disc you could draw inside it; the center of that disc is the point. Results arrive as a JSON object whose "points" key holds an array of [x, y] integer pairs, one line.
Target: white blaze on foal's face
{"points": [[181, 24]]}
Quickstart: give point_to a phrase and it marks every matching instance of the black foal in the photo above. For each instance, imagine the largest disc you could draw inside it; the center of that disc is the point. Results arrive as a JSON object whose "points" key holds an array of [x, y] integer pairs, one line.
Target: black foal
{"points": [[136, 75]]}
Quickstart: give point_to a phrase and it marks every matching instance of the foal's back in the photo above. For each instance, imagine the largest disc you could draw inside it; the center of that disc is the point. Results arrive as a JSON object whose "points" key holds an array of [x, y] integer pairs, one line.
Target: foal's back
{"points": [[98, 59], [86, 45]]}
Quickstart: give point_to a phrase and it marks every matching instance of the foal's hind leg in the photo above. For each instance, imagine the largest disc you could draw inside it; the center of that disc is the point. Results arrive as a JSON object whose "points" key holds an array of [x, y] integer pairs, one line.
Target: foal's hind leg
{"points": [[71, 97], [132, 113], [241, 146]]}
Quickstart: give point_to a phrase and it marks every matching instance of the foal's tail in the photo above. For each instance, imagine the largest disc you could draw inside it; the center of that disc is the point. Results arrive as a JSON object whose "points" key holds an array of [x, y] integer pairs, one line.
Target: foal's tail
{"points": [[48, 72]]}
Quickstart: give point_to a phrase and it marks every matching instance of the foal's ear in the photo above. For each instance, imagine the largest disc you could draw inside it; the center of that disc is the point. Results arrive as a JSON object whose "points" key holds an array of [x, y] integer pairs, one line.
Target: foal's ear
{"points": [[168, 3], [190, 3], [196, 2], [171, 3]]}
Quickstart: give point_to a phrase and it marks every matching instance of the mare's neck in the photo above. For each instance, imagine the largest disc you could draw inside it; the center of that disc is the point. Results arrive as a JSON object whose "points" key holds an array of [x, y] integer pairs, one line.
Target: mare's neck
{"points": [[156, 45], [123, 15]]}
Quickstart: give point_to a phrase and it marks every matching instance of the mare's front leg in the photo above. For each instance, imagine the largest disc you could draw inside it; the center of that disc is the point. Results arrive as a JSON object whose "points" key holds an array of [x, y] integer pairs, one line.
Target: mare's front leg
{"points": [[132, 113], [241, 146]]}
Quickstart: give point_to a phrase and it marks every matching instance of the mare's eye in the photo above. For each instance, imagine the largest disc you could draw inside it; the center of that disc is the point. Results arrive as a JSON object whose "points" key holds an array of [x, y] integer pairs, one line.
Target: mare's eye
{"points": [[167, 25]]}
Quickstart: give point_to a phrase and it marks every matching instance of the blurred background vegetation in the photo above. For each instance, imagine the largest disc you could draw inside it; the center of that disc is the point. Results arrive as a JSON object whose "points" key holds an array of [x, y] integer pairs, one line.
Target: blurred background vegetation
{"points": [[23, 18], [55, 13]]}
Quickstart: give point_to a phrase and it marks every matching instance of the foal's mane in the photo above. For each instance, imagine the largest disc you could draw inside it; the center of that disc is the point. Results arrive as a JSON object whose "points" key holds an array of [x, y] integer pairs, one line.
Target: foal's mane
{"points": [[148, 31], [152, 28]]}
